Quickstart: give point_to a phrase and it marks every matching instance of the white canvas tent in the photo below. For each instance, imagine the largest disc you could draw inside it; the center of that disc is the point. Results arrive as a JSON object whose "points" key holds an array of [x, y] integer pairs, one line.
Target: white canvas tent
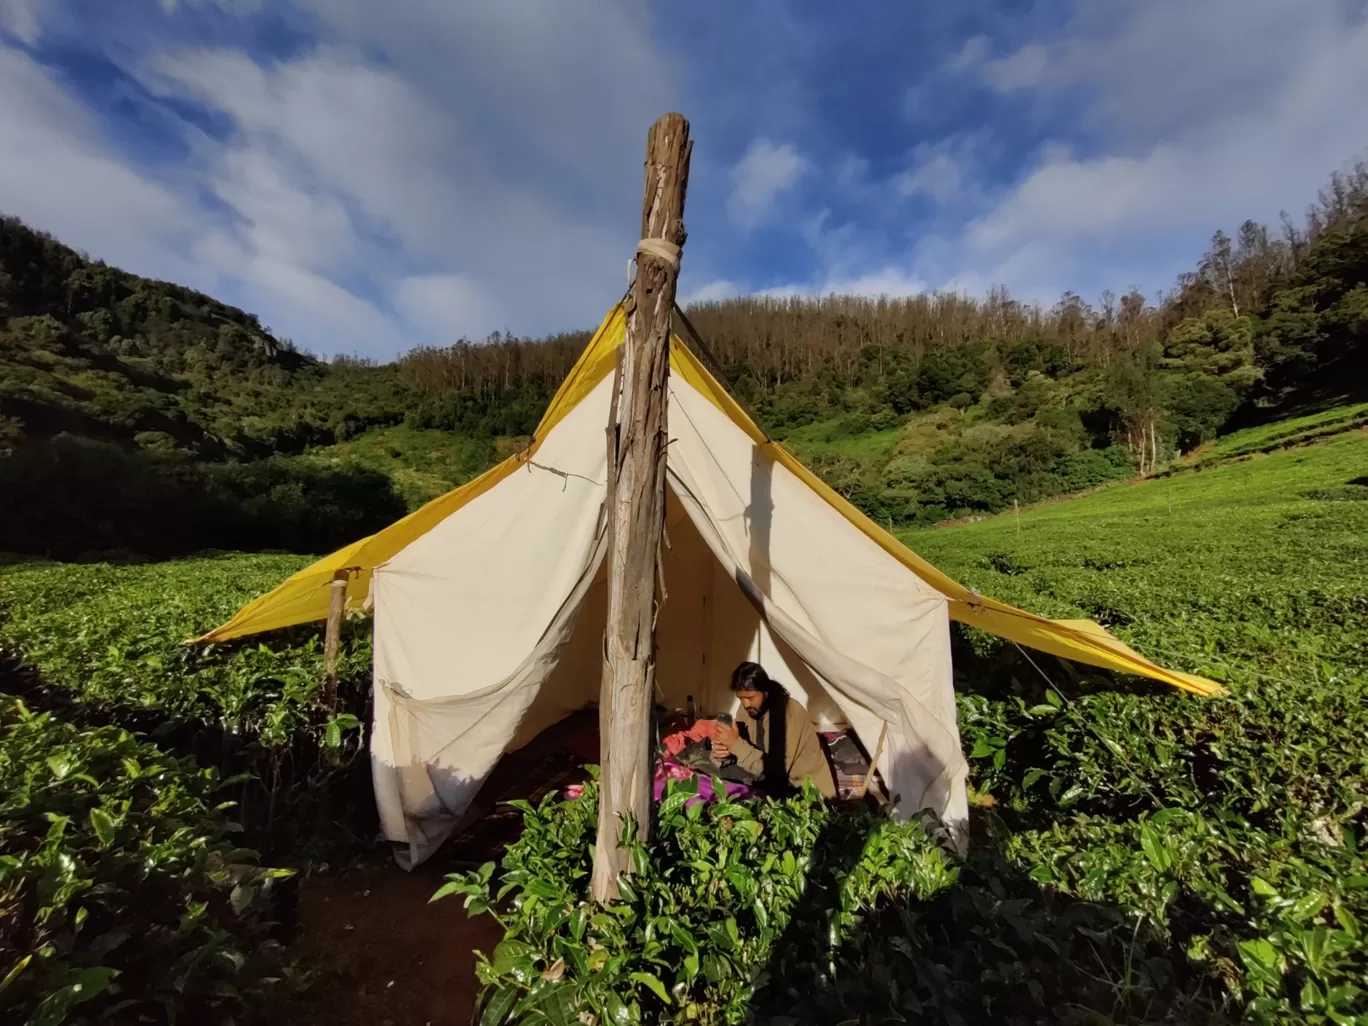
{"points": [[489, 606]]}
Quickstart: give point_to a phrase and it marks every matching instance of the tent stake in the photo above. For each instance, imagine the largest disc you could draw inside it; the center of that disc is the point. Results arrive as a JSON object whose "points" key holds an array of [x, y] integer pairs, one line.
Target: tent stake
{"points": [[636, 514], [332, 636]]}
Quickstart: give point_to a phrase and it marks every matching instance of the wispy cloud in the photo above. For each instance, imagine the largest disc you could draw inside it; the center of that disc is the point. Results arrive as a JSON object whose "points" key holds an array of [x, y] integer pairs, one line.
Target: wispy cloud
{"points": [[368, 176], [398, 181], [764, 172], [945, 171]]}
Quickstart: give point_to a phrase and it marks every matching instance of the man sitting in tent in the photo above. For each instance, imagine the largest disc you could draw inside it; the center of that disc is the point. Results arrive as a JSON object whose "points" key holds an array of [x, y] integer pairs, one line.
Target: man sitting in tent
{"points": [[773, 737]]}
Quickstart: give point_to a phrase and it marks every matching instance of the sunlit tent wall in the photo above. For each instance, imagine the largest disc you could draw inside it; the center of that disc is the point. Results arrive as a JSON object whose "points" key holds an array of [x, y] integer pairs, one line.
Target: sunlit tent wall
{"points": [[489, 606]]}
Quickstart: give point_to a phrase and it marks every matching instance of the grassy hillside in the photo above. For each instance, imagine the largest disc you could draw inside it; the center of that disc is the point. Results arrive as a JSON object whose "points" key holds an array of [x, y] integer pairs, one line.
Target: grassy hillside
{"points": [[421, 463], [1283, 433], [1245, 570]]}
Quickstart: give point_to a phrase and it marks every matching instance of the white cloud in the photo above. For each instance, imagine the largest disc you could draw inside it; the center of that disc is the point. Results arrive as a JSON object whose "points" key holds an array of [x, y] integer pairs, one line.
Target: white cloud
{"points": [[711, 292], [1192, 142], [972, 55], [402, 181], [447, 306], [1024, 69], [852, 172], [764, 171], [398, 170], [20, 19], [945, 171], [890, 281], [56, 176], [1150, 68], [293, 296]]}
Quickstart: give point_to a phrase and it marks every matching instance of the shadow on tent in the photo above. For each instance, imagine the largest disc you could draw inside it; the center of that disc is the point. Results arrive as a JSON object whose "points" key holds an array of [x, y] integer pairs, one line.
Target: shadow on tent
{"points": [[553, 760]]}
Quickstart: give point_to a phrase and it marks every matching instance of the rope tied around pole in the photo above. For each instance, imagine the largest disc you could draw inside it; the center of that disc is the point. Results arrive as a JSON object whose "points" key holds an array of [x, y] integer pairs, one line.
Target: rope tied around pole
{"points": [[661, 250], [666, 252]]}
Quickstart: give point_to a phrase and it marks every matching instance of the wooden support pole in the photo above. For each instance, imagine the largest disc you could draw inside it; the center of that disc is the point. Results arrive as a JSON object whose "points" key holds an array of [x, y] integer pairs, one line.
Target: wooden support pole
{"points": [[332, 636], [636, 513]]}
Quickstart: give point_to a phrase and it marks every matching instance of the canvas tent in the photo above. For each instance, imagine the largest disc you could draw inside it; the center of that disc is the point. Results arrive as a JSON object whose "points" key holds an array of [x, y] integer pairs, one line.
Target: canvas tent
{"points": [[489, 605]]}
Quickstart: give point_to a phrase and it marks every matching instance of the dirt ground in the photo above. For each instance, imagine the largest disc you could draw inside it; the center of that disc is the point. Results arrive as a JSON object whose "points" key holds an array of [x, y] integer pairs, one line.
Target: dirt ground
{"points": [[384, 955]]}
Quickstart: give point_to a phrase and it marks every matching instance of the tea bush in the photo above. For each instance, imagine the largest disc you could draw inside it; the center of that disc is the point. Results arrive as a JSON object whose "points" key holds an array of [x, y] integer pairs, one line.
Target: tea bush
{"points": [[111, 634], [122, 894], [718, 890], [106, 643]]}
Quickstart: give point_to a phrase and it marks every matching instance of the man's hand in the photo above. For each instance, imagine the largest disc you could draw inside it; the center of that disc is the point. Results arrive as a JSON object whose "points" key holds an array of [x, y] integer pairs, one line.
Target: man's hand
{"points": [[724, 738]]}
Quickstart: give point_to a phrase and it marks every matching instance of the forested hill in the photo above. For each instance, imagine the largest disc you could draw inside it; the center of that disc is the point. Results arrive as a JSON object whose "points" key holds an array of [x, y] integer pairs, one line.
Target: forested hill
{"points": [[195, 426], [91, 350]]}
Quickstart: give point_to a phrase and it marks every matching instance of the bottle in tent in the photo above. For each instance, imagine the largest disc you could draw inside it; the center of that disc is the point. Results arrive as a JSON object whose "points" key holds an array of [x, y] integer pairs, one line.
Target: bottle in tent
{"points": [[689, 709]]}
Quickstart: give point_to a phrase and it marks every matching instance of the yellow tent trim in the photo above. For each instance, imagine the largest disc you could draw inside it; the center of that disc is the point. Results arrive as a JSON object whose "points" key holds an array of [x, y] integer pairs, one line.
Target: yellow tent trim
{"points": [[305, 596], [1079, 640]]}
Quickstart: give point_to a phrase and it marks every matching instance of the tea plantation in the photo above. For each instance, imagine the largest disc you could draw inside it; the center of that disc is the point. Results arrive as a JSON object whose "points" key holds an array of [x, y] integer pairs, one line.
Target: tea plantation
{"points": [[1140, 855]]}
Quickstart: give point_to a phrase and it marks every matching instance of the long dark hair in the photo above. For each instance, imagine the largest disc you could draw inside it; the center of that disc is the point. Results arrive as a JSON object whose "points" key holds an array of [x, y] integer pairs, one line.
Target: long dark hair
{"points": [[750, 676]]}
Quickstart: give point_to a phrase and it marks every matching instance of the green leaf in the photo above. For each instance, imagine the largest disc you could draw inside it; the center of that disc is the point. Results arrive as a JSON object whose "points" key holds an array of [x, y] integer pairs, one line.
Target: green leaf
{"points": [[618, 1013], [761, 916], [332, 735], [498, 1006], [1072, 795], [242, 897], [653, 984], [508, 952], [1261, 959], [730, 810], [641, 861], [104, 826], [449, 888], [1347, 921], [1311, 998], [14, 972], [77, 986], [1155, 849], [59, 764], [88, 982], [1262, 887]]}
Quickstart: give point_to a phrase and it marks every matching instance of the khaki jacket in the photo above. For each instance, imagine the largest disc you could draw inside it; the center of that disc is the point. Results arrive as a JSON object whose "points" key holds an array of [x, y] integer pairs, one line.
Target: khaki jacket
{"points": [[803, 755]]}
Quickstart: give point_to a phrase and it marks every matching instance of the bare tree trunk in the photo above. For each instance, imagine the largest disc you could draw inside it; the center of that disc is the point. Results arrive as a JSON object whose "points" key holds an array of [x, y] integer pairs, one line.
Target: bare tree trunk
{"points": [[636, 515]]}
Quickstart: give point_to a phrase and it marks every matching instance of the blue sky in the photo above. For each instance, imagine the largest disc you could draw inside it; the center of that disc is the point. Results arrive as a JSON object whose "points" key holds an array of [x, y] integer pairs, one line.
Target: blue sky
{"points": [[372, 176]]}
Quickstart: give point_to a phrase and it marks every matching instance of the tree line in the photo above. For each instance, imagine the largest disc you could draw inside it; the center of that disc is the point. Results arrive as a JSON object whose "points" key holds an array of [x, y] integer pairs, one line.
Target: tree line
{"points": [[1264, 317]]}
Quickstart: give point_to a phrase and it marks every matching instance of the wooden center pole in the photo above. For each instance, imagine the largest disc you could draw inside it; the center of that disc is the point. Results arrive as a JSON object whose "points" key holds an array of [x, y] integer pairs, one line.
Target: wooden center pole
{"points": [[636, 509]]}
